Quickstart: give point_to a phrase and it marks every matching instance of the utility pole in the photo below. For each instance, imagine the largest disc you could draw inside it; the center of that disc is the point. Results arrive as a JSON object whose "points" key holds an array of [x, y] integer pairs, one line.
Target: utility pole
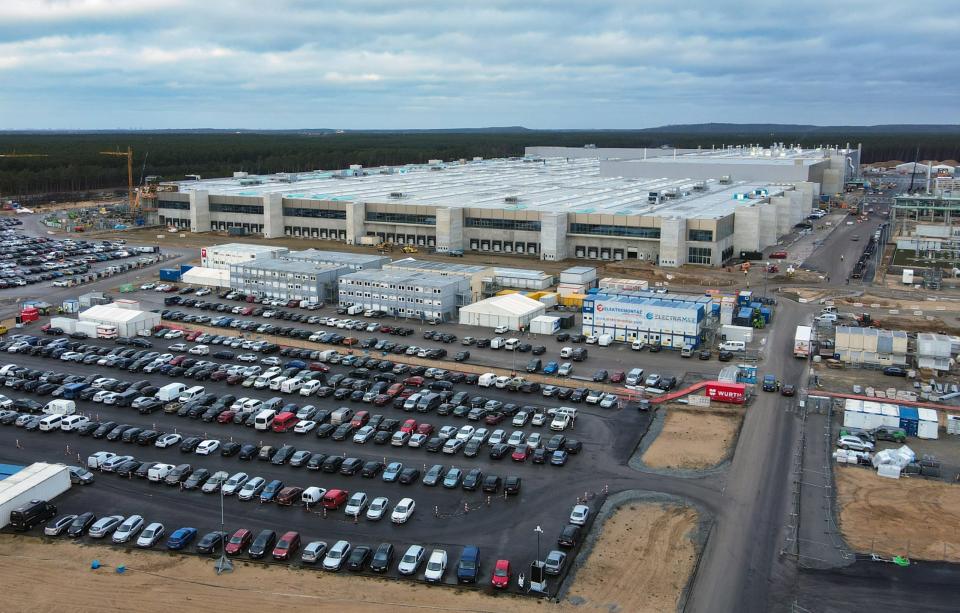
{"points": [[539, 531], [223, 565]]}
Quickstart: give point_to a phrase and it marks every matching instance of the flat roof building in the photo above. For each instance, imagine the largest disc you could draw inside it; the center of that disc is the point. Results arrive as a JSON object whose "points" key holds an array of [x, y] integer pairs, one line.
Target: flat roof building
{"points": [[353, 261], [287, 279], [222, 256], [693, 206], [403, 293]]}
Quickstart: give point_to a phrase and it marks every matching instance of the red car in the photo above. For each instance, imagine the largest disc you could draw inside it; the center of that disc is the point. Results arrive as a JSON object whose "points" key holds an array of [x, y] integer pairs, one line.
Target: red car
{"points": [[219, 375], [394, 389], [414, 381], [226, 417], [239, 542], [521, 453], [406, 393], [235, 379], [778, 255], [425, 429], [501, 575], [288, 545], [409, 426], [334, 499], [192, 336], [317, 366], [360, 419], [177, 360], [617, 377], [494, 418], [382, 400]]}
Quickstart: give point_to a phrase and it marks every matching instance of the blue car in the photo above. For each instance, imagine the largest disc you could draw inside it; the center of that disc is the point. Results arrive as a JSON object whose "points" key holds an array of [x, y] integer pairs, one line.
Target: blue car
{"points": [[270, 492], [181, 538], [392, 472], [296, 364], [551, 368], [559, 458]]}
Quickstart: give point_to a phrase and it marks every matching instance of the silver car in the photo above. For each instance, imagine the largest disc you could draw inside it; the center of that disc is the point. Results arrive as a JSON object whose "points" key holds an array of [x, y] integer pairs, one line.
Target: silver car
{"points": [[59, 525], [105, 525], [150, 535], [128, 529], [234, 483]]}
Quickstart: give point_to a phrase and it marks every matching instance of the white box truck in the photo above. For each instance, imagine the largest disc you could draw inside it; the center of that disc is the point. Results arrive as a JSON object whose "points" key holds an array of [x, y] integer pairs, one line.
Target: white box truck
{"points": [[801, 342], [60, 406], [170, 392]]}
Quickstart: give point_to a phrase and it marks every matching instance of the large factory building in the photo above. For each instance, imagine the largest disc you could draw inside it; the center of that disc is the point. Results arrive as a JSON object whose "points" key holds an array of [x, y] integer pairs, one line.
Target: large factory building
{"points": [[665, 206]]}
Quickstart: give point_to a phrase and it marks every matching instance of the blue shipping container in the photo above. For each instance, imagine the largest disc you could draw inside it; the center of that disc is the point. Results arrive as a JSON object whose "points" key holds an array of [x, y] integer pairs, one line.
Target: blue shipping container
{"points": [[185, 267], [169, 274], [767, 314], [909, 420]]}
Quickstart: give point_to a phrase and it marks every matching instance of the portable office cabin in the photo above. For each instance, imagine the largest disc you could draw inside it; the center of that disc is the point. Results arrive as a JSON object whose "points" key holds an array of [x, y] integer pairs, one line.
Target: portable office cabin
{"points": [[909, 420], [928, 424]]}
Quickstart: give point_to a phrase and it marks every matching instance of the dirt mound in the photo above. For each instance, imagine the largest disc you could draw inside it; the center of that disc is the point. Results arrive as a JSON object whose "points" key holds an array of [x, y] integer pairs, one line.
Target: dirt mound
{"points": [[693, 439]]}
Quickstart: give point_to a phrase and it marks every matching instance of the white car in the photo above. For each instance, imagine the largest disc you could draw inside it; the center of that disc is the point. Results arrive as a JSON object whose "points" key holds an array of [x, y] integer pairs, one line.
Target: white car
{"points": [[159, 472], [128, 529], [465, 433], [403, 511], [378, 507], [579, 515], [411, 560], [101, 395], [105, 526], [150, 535], [304, 426], [234, 483], [520, 419], [207, 447], [336, 555], [534, 440], [364, 434], [500, 330], [516, 438], [417, 440], [447, 431], [436, 566], [174, 334], [178, 347], [497, 437], [200, 350], [356, 504], [609, 401], [247, 357], [168, 440], [148, 286]]}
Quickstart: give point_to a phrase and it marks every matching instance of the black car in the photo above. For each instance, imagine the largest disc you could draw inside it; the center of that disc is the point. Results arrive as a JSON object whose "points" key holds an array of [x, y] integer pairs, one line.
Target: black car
{"points": [[196, 479], [351, 466], [263, 543], [211, 542], [573, 446], [473, 480], [325, 430], [491, 484], [332, 464], [371, 469], [248, 451], [382, 437], [382, 558], [144, 469], [282, 455], [434, 445], [189, 445], [409, 475], [498, 451], [511, 485], [569, 536], [80, 525], [230, 449], [358, 558]]}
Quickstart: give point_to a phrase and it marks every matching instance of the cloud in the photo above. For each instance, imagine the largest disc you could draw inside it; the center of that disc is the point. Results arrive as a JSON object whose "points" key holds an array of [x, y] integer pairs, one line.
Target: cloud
{"points": [[540, 63]]}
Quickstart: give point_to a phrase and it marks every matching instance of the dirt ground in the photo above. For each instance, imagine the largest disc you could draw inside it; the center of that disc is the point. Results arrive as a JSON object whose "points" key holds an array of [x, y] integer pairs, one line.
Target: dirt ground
{"points": [[641, 562], [912, 516], [693, 439], [658, 535]]}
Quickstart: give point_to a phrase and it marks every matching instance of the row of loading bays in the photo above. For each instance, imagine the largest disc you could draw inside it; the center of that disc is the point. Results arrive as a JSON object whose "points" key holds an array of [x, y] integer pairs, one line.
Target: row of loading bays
{"points": [[608, 253]]}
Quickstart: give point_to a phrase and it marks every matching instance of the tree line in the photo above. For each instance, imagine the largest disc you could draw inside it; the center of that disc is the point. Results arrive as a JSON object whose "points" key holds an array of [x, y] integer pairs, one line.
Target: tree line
{"points": [[73, 163]]}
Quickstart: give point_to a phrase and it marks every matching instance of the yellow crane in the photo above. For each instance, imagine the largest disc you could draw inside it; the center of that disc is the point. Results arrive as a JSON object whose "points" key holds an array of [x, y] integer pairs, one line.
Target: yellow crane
{"points": [[134, 202]]}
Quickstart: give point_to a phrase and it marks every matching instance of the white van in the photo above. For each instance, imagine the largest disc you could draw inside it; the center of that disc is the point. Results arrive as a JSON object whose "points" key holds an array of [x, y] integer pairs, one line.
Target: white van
{"points": [[638, 345], [566, 352], [276, 382], [832, 317], [511, 344], [411, 402], [733, 346], [497, 342], [191, 393], [635, 376], [604, 340], [501, 382], [51, 422], [312, 495], [341, 416], [486, 379], [325, 355], [159, 472], [264, 419], [170, 391], [60, 406], [72, 422], [310, 387], [354, 309], [291, 386]]}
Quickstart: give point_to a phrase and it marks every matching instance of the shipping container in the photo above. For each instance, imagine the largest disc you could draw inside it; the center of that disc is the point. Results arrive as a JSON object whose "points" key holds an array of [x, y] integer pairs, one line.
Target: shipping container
{"points": [[928, 426], [732, 393], [169, 274], [909, 420]]}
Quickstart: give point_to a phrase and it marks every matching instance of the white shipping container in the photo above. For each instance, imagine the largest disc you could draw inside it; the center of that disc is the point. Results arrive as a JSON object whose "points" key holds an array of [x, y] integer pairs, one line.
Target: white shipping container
{"points": [[548, 300], [544, 325], [854, 419], [891, 415], [88, 327], [39, 481], [737, 333], [928, 430], [872, 415], [66, 324]]}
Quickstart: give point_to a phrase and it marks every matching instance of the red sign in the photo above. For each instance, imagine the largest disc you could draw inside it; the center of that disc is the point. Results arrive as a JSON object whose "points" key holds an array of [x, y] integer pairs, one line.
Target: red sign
{"points": [[203, 252], [733, 393]]}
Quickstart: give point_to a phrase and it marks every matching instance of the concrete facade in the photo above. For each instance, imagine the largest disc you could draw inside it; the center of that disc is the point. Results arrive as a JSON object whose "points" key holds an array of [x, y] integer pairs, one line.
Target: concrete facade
{"points": [[284, 279], [404, 294]]}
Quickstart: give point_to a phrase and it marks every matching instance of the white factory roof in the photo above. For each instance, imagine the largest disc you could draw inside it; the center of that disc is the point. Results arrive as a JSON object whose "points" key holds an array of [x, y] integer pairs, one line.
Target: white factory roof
{"points": [[241, 248], [507, 305], [107, 312], [538, 184], [21, 481]]}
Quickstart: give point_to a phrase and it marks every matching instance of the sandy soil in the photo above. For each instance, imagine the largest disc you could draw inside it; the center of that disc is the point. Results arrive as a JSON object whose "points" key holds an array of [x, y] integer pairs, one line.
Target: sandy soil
{"points": [[658, 535], [693, 439], [910, 516], [641, 562]]}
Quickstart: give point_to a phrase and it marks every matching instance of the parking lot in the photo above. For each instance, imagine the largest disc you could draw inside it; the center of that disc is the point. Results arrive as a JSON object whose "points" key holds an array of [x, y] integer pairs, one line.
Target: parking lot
{"points": [[448, 518]]}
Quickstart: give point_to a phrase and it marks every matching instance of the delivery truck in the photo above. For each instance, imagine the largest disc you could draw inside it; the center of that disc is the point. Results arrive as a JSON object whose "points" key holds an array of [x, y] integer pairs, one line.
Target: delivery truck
{"points": [[60, 406], [801, 342]]}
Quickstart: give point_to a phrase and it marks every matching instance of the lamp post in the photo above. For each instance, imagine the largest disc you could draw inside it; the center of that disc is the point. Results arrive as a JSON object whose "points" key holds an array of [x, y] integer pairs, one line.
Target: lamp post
{"points": [[224, 565], [539, 531]]}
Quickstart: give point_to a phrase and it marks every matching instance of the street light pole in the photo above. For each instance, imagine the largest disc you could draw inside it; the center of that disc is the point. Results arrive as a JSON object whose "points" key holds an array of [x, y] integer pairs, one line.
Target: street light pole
{"points": [[224, 565], [539, 531]]}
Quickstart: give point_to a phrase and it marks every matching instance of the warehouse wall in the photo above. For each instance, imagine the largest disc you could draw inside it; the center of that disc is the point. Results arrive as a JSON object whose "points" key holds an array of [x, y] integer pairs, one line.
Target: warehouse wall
{"points": [[746, 229], [200, 211], [272, 215]]}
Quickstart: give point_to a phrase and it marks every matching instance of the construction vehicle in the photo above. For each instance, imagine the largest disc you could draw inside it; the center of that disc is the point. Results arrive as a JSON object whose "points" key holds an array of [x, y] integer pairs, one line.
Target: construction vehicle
{"points": [[385, 247], [745, 267], [410, 249]]}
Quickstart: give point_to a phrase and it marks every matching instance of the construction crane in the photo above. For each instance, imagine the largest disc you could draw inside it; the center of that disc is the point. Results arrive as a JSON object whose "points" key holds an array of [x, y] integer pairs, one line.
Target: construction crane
{"points": [[134, 202], [22, 155]]}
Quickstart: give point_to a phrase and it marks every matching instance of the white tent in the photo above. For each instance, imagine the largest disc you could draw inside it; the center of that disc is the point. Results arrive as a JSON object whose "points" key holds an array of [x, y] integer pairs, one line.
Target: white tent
{"points": [[212, 277], [127, 321], [512, 310]]}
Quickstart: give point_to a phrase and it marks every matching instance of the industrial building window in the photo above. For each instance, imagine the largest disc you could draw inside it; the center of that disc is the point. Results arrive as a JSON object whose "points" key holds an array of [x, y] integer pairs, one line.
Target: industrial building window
{"points": [[420, 220], [502, 224], [246, 209], [605, 230], [169, 204], [724, 228], [698, 255], [293, 211], [700, 235]]}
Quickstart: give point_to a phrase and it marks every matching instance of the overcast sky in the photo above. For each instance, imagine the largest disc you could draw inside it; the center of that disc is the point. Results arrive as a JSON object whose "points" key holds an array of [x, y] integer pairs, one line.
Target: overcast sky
{"points": [[89, 64]]}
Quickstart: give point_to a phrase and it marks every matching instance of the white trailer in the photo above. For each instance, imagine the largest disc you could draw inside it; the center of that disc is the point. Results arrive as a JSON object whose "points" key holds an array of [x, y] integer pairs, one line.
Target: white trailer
{"points": [[801, 342], [39, 481]]}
